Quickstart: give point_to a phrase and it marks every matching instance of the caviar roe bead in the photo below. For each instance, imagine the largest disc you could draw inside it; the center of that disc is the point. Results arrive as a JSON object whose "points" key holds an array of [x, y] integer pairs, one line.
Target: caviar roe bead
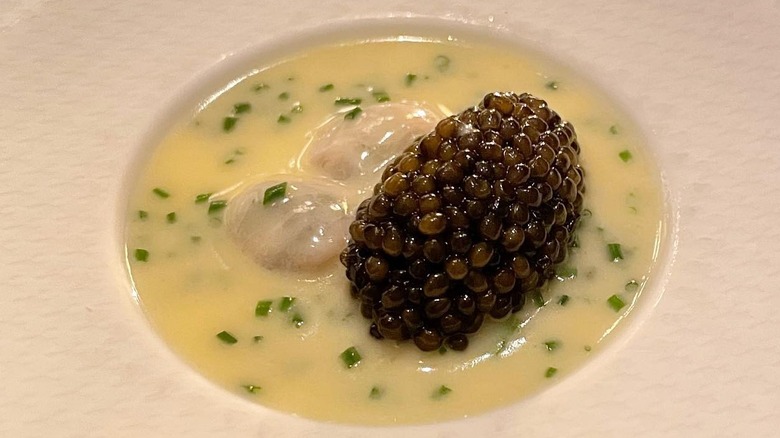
{"points": [[467, 222]]}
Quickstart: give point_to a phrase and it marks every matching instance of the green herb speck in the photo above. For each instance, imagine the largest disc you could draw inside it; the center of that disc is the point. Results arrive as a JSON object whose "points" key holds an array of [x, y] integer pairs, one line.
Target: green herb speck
{"points": [[613, 129], [587, 348], [550, 372], [141, 255], [242, 107], [283, 119], [616, 303], [228, 123], [258, 338], [351, 357], [297, 108], [625, 155], [566, 272], [380, 96], [409, 79], [297, 320], [632, 286], [286, 304], [538, 299], [442, 63], [203, 197], [195, 239], [354, 112], [326, 87], [161, 193], [552, 85], [217, 206], [563, 300], [171, 217], [260, 87], [283, 96], [142, 214], [251, 388], [347, 101], [442, 350], [551, 345], [274, 192], [615, 252], [376, 393], [441, 391], [226, 338], [263, 307]]}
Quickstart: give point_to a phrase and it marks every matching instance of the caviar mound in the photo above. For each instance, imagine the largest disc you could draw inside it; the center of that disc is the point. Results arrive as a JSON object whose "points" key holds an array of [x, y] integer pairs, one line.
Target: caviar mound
{"points": [[467, 222]]}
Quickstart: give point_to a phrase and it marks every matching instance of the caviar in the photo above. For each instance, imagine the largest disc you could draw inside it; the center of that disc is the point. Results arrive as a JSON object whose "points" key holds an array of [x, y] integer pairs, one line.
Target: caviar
{"points": [[467, 222]]}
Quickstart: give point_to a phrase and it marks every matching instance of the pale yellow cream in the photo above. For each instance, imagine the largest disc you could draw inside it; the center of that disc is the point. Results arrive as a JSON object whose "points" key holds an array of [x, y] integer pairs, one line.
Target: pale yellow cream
{"points": [[196, 282]]}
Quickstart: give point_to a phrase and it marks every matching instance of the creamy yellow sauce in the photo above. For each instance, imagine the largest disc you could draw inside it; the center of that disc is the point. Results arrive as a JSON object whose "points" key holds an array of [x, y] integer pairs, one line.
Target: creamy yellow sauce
{"points": [[193, 282]]}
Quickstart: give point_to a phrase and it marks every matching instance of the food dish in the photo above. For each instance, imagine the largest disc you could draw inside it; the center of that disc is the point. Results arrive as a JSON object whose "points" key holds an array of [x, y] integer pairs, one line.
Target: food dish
{"points": [[94, 364]]}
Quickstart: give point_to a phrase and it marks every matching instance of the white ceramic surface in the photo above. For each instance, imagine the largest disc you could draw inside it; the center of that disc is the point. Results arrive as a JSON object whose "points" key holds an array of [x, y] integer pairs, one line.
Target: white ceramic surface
{"points": [[81, 83]]}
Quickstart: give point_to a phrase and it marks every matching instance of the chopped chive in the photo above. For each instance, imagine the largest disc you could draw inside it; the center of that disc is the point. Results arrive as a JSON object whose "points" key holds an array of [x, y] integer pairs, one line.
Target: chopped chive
{"points": [[326, 87], [263, 308], [351, 114], [162, 193], [171, 217], [587, 348], [242, 107], [552, 85], [563, 300], [203, 197], [613, 129], [376, 393], [615, 252], [195, 239], [550, 372], [297, 109], [632, 286], [442, 391], [217, 206], [227, 338], [616, 303], [251, 388], [261, 86], [274, 192], [551, 345], [348, 101], [538, 299], [286, 304], [258, 338], [442, 63], [283, 96], [141, 254], [409, 79], [442, 350], [351, 357], [297, 320], [625, 155], [283, 119], [566, 272], [142, 214], [228, 123], [380, 96]]}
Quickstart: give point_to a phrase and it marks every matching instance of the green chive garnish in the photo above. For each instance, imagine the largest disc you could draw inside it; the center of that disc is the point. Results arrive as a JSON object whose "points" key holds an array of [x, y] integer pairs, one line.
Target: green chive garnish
{"points": [[632, 286], [217, 206], [551, 345], [286, 303], [442, 391], [566, 272], [442, 63], [283, 119], [274, 192], [616, 303], [297, 320], [203, 197], [258, 338], [171, 217], [143, 214], [141, 255], [351, 114], [326, 87], [227, 338], [263, 308], [376, 393], [615, 252], [348, 101], [380, 96], [550, 372], [160, 192], [442, 350], [625, 155], [563, 300], [350, 357], [228, 123], [261, 86], [587, 348], [409, 79], [251, 388], [297, 109], [538, 299], [552, 85], [242, 107], [613, 129], [283, 96]]}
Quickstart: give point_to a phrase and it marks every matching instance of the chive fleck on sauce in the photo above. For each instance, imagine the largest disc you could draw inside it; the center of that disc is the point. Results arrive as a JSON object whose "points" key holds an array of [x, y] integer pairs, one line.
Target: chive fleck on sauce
{"points": [[295, 339]]}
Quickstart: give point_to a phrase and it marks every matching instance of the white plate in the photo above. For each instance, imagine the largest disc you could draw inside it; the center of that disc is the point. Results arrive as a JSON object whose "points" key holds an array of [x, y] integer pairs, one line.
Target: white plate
{"points": [[81, 85]]}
